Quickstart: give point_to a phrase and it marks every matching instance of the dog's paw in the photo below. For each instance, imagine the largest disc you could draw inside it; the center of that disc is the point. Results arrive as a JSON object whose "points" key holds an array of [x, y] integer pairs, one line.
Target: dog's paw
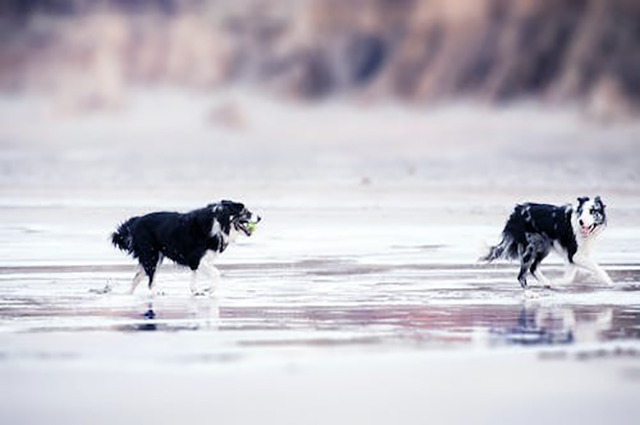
{"points": [[210, 292], [100, 291], [523, 283]]}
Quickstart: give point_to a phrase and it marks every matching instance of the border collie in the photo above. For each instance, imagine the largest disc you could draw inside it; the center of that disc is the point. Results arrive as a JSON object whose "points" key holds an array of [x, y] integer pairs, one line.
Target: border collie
{"points": [[193, 239], [533, 230]]}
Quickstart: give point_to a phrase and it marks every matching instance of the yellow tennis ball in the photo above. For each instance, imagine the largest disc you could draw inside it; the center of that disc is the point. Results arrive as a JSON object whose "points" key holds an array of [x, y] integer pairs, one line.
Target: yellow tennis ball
{"points": [[251, 226]]}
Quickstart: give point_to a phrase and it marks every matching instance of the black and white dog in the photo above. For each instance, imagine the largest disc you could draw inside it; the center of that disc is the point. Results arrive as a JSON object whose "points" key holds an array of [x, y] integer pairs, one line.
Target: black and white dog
{"points": [[533, 230], [193, 239]]}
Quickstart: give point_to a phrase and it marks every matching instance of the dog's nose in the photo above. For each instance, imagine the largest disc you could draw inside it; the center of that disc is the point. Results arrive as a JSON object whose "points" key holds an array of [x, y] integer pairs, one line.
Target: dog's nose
{"points": [[581, 222]]}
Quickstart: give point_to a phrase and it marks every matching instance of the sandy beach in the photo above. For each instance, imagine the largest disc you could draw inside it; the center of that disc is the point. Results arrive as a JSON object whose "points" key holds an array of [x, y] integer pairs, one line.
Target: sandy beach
{"points": [[358, 300]]}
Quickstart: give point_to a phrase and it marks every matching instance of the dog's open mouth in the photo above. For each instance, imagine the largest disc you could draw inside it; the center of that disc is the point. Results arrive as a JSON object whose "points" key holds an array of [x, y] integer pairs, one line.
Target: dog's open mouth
{"points": [[243, 226], [247, 227], [587, 230]]}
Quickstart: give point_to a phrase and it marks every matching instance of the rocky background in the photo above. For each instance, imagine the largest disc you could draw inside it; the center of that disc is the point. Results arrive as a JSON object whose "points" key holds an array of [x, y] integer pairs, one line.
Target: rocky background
{"points": [[87, 53]]}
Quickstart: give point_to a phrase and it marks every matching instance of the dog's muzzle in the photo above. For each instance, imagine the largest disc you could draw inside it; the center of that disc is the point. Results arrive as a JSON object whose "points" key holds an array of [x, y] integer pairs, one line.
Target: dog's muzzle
{"points": [[248, 226], [587, 230]]}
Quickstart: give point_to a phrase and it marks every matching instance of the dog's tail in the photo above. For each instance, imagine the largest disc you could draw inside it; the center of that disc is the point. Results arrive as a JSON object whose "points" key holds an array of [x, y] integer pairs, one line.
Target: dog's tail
{"points": [[122, 238], [506, 249]]}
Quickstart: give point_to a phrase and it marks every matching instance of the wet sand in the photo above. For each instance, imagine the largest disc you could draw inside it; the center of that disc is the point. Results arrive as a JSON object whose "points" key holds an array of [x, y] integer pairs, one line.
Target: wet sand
{"points": [[396, 322], [358, 300]]}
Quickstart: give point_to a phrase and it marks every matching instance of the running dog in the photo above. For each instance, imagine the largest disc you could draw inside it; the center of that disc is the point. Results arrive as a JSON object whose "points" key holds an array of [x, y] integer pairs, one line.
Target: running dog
{"points": [[192, 239], [533, 230]]}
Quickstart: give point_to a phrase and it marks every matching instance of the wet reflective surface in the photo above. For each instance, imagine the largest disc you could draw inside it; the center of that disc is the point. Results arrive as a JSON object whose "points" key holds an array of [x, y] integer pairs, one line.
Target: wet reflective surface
{"points": [[328, 303], [341, 316], [357, 301]]}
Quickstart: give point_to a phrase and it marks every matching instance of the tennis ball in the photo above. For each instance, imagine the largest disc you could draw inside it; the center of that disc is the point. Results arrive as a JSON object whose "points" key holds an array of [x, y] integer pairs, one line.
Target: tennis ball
{"points": [[251, 226]]}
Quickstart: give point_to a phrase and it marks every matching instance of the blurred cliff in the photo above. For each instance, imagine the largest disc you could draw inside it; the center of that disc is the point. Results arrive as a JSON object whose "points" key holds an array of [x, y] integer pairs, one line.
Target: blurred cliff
{"points": [[89, 52]]}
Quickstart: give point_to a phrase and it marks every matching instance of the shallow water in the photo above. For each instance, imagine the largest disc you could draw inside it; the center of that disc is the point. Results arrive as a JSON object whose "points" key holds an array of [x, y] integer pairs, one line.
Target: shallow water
{"points": [[352, 321], [358, 300], [380, 283]]}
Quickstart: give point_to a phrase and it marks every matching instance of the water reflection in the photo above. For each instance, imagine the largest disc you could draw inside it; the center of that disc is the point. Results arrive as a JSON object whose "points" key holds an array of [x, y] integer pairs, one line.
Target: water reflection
{"points": [[271, 321], [428, 326], [150, 316], [167, 315], [556, 325]]}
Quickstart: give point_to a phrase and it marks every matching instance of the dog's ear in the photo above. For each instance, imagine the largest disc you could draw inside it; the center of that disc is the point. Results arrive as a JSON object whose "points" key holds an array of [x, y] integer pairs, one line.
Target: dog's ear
{"points": [[599, 202], [234, 208], [582, 200]]}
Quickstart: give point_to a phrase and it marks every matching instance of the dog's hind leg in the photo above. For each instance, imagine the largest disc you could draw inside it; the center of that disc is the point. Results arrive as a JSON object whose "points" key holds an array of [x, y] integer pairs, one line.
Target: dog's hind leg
{"points": [[152, 279], [539, 246], [150, 263], [136, 280], [526, 260], [153, 289], [537, 273], [194, 282]]}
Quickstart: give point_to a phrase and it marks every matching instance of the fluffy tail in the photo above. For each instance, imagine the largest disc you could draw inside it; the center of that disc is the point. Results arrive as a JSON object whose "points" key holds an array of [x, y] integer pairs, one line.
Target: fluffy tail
{"points": [[121, 238], [507, 249]]}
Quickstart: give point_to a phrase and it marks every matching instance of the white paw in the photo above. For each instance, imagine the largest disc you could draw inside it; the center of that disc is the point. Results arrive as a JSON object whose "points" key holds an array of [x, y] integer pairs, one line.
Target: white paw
{"points": [[211, 291], [545, 283], [107, 288]]}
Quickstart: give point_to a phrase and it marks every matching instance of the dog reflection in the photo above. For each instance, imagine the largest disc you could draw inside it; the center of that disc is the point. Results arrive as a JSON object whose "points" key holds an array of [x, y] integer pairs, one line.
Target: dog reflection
{"points": [[203, 314], [149, 324], [556, 325]]}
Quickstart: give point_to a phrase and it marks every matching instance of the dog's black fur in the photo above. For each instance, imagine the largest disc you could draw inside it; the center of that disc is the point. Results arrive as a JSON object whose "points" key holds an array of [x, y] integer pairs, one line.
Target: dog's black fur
{"points": [[533, 230], [183, 238]]}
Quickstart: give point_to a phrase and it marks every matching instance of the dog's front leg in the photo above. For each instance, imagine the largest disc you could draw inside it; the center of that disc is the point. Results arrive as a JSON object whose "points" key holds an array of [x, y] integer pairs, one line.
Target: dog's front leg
{"points": [[570, 273], [212, 271], [214, 278], [588, 264], [208, 268], [541, 278]]}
